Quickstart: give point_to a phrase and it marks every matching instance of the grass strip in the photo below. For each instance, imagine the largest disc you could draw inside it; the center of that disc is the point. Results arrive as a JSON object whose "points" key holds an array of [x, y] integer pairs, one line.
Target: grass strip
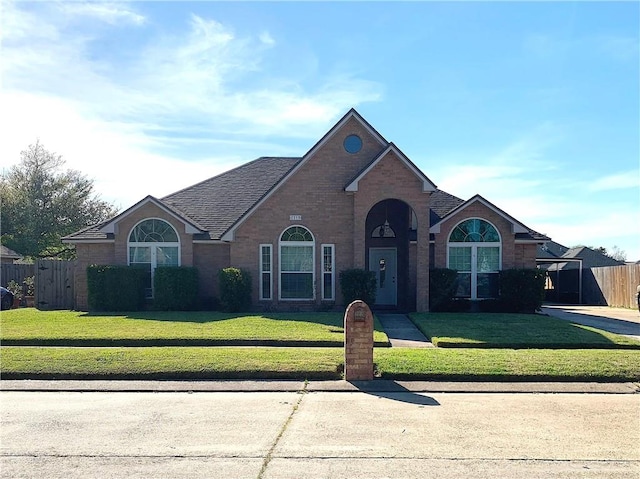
{"points": [[28, 326], [491, 330], [318, 363]]}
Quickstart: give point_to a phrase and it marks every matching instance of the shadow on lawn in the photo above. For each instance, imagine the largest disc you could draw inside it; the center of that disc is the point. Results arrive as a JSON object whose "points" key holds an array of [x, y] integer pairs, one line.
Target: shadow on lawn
{"points": [[333, 320], [514, 331]]}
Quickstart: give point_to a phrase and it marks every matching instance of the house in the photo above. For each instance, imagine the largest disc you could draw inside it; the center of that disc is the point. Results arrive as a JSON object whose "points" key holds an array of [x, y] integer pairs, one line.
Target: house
{"points": [[354, 200], [7, 255]]}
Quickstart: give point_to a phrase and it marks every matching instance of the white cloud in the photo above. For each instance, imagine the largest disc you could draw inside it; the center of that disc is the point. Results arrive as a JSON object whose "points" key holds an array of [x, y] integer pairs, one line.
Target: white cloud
{"points": [[267, 39], [110, 12], [617, 181], [182, 109]]}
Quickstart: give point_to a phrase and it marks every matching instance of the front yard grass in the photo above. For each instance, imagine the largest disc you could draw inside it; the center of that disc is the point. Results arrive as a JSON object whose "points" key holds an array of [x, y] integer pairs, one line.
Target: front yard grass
{"points": [[317, 363], [31, 327], [494, 330]]}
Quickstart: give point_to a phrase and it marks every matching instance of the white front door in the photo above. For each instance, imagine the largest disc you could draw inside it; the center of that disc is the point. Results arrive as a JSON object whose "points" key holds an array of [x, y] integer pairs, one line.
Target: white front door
{"points": [[383, 261]]}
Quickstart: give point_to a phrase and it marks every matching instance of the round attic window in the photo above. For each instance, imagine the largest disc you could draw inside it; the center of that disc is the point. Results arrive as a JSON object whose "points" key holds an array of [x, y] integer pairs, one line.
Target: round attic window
{"points": [[352, 144]]}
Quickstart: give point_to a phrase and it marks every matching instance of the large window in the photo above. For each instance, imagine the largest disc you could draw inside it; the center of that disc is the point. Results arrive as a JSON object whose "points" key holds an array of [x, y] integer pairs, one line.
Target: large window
{"points": [[474, 251], [297, 250], [152, 243]]}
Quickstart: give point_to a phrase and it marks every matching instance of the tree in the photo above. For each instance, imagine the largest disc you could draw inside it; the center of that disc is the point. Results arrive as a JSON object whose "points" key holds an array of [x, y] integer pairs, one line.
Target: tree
{"points": [[41, 203]]}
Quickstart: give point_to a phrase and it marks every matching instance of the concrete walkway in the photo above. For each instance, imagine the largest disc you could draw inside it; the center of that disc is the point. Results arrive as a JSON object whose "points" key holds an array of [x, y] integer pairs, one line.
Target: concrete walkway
{"points": [[614, 320], [402, 332]]}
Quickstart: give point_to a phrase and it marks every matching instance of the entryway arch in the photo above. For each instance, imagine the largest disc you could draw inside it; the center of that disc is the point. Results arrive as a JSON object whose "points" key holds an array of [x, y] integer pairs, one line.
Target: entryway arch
{"points": [[390, 230]]}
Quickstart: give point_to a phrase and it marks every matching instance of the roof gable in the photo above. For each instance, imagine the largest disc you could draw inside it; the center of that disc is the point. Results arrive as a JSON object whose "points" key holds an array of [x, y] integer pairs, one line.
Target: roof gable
{"points": [[427, 184], [190, 226], [352, 114], [521, 231]]}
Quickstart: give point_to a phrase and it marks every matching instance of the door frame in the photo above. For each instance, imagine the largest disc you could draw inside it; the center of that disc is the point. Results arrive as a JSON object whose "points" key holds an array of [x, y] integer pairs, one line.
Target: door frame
{"points": [[395, 280]]}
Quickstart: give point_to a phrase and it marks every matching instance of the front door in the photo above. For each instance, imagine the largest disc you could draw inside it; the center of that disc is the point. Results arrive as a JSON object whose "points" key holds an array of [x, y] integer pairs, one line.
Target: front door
{"points": [[383, 261]]}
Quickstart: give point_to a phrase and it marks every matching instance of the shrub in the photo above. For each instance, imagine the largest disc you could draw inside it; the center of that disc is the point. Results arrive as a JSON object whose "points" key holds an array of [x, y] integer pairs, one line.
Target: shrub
{"points": [[358, 284], [175, 288], [442, 287], [522, 290], [116, 288], [235, 289]]}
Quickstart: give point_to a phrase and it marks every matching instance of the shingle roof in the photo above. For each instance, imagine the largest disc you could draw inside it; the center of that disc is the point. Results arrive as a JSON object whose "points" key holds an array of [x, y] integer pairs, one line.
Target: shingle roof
{"points": [[441, 204], [217, 203], [551, 250], [590, 258], [9, 253]]}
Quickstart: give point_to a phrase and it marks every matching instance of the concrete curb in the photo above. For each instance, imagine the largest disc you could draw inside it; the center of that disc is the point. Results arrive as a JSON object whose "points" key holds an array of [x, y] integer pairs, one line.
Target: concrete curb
{"points": [[376, 386]]}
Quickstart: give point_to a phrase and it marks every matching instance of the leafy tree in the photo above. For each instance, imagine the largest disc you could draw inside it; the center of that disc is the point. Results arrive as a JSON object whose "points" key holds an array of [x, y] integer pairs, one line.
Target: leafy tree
{"points": [[41, 203]]}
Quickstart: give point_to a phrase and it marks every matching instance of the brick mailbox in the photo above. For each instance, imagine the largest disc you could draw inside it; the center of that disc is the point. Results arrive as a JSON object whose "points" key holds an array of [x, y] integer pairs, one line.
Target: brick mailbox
{"points": [[358, 342]]}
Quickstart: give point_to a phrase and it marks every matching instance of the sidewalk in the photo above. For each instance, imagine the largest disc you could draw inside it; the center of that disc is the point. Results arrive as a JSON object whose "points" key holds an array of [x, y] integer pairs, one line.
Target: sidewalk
{"points": [[402, 333], [375, 386]]}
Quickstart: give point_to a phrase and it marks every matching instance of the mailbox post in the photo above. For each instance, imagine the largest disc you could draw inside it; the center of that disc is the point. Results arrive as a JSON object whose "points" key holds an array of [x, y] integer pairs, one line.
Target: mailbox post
{"points": [[358, 342]]}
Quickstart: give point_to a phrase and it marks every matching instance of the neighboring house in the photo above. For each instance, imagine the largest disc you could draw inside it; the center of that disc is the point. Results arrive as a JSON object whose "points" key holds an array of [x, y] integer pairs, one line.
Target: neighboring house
{"points": [[569, 269], [354, 200], [8, 255]]}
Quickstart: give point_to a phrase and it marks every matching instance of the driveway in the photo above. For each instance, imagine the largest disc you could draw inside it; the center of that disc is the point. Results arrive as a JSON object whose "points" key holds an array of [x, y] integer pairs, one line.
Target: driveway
{"points": [[615, 320]]}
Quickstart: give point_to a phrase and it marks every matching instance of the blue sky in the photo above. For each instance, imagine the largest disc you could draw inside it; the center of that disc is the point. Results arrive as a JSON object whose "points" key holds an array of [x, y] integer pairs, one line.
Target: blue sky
{"points": [[533, 105]]}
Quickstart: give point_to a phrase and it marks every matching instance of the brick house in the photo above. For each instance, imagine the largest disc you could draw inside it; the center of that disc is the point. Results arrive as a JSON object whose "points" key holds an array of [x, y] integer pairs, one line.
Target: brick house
{"points": [[354, 200]]}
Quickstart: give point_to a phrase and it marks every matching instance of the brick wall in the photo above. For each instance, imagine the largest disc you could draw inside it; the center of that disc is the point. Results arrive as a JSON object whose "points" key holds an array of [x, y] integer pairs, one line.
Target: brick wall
{"points": [[477, 210], [315, 192], [209, 259], [117, 253], [88, 254]]}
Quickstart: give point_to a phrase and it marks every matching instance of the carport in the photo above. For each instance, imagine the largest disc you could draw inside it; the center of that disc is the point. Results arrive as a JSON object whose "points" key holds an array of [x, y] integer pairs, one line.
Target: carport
{"points": [[555, 279]]}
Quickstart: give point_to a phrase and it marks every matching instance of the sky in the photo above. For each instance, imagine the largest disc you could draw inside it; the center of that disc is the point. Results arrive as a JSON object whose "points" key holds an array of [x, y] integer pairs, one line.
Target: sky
{"points": [[533, 105]]}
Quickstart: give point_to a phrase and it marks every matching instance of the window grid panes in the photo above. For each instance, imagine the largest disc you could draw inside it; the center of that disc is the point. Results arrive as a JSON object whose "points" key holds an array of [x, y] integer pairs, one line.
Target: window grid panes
{"points": [[297, 264], [328, 267], [475, 253], [152, 243], [153, 231], [474, 230], [265, 271]]}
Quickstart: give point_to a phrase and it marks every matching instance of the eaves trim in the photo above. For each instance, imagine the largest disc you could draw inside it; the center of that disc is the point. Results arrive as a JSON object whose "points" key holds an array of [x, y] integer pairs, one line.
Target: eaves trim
{"points": [[189, 226], [427, 184]]}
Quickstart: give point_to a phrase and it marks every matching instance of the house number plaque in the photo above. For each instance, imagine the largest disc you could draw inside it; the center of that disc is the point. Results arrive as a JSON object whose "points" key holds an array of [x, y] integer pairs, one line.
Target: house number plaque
{"points": [[295, 217]]}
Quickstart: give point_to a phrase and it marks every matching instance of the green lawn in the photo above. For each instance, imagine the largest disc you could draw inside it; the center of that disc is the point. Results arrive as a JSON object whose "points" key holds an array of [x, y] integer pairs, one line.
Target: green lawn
{"points": [[29, 326], [491, 330], [317, 363], [488, 347]]}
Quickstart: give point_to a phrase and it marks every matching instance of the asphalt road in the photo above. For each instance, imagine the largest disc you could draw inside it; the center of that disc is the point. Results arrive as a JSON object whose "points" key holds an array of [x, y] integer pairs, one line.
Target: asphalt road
{"points": [[294, 434]]}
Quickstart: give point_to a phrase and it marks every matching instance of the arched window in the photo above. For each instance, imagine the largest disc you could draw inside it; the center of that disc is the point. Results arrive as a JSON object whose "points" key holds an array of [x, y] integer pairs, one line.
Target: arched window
{"points": [[475, 252], [152, 243], [297, 251]]}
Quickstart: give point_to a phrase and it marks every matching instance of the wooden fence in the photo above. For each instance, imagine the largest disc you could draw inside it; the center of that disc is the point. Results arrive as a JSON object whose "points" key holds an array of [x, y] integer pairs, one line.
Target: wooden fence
{"points": [[54, 281], [611, 285]]}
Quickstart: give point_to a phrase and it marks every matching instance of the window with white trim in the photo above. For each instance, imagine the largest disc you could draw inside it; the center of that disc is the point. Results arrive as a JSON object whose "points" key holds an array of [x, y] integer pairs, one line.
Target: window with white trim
{"points": [[475, 252], [266, 270], [297, 250], [153, 242], [328, 272]]}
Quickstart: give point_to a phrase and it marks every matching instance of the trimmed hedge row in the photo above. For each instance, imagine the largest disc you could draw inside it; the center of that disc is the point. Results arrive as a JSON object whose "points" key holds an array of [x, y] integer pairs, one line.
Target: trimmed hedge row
{"points": [[235, 289], [175, 288], [358, 284], [116, 288], [521, 291]]}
